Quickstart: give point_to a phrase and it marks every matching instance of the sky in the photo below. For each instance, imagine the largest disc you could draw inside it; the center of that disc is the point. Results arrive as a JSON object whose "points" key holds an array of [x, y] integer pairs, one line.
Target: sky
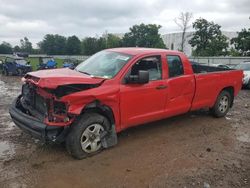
{"points": [[36, 18]]}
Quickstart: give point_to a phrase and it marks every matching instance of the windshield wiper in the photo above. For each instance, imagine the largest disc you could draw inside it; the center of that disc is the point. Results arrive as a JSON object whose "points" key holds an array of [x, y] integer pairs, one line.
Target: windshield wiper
{"points": [[84, 72]]}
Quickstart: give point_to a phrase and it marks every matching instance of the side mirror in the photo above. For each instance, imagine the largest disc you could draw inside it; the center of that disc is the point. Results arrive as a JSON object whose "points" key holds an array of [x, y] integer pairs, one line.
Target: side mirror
{"points": [[141, 78]]}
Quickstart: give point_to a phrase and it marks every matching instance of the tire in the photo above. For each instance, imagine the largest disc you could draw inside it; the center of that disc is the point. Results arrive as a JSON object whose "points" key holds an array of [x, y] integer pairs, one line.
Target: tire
{"points": [[84, 138], [5, 72], [248, 85], [222, 104], [19, 72]]}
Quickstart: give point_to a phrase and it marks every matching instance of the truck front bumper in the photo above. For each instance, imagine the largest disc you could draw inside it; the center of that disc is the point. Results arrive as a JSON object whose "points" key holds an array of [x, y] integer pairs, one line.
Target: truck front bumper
{"points": [[35, 127]]}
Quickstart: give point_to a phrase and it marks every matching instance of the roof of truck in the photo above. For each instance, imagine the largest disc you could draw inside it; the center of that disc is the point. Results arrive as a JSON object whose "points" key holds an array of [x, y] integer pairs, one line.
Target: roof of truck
{"points": [[15, 57], [138, 50]]}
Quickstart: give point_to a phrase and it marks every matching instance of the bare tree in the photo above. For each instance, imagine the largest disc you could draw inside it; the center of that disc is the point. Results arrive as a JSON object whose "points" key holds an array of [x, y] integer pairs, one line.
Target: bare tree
{"points": [[183, 23]]}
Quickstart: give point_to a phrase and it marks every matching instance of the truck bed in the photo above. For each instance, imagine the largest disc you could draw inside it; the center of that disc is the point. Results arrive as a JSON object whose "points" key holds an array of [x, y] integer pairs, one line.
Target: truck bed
{"points": [[204, 68], [210, 81]]}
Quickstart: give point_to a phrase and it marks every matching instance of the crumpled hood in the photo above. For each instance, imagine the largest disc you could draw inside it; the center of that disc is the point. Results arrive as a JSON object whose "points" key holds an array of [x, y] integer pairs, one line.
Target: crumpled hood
{"points": [[53, 78]]}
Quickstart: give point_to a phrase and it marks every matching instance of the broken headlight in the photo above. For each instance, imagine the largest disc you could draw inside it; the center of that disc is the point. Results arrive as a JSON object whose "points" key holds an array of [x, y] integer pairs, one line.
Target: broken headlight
{"points": [[60, 108]]}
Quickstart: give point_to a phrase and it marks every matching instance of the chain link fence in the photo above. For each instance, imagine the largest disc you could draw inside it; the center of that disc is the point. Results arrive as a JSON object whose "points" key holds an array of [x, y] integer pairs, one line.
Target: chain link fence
{"points": [[231, 61]]}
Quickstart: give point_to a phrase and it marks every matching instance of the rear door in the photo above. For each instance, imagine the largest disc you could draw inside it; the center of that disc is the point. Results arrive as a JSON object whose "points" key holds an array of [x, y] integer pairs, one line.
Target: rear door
{"points": [[181, 86], [140, 103]]}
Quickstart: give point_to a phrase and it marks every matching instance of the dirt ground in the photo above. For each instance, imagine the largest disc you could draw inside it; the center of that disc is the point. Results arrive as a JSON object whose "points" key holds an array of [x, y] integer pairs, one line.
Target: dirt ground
{"points": [[192, 150]]}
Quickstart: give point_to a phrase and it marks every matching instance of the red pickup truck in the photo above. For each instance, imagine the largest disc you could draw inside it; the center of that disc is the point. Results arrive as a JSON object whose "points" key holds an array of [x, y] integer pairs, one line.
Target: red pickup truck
{"points": [[116, 89]]}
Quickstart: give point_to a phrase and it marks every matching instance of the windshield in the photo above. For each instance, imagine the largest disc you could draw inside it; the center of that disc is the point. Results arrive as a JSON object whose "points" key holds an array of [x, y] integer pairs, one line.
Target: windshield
{"points": [[104, 64], [243, 66], [45, 60], [21, 61]]}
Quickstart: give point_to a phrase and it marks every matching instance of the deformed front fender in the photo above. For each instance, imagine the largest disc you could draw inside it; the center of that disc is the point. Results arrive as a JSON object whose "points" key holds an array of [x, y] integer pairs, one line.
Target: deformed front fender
{"points": [[106, 95], [105, 100]]}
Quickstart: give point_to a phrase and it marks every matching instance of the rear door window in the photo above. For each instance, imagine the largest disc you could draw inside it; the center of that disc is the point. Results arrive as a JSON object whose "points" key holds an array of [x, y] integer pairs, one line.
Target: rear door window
{"points": [[175, 66]]}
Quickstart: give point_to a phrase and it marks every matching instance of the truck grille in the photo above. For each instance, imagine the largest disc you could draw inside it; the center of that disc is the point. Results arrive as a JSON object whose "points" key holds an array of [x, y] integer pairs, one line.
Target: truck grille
{"points": [[33, 101], [40, 104]]}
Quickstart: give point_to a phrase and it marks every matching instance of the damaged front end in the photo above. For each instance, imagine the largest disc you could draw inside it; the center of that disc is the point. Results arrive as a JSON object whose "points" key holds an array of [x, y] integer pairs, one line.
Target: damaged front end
{"points": [[42, 113]]}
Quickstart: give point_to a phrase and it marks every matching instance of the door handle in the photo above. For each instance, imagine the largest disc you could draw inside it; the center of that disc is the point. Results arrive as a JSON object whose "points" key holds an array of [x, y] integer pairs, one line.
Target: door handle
{"points": [[161, 87]]}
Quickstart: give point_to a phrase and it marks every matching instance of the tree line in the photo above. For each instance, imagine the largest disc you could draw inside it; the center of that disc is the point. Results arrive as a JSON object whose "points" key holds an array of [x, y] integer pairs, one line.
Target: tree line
{"points": [[54, 44], [207, 40]]}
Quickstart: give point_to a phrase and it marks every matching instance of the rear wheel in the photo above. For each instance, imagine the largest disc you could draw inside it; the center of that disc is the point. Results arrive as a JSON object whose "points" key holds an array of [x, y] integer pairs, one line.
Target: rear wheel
{"points": [[84, 138], [248, 85], [222, 104]]}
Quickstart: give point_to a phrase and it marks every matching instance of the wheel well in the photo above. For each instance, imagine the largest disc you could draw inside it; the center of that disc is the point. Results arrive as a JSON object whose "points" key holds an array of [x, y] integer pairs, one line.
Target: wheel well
{"points": [[230, 89], [101, 109], [110, 139]]}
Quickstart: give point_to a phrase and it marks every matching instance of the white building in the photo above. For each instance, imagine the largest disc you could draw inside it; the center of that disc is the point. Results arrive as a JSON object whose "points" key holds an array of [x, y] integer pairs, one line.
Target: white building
{"points": [[173, 40]]}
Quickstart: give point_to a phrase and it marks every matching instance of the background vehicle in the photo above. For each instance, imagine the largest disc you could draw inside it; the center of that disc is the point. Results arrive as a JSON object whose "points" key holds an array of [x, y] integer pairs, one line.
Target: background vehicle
{"points": [[46, 62], [221, 66], [70, 63], [116, 89], [1, 65], [15, 66], [245, 66]]}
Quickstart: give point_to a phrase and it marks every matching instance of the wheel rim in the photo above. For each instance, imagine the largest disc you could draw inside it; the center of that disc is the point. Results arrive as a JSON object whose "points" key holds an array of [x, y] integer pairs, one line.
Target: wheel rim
{"points": [[223, 104], [91, 138]]}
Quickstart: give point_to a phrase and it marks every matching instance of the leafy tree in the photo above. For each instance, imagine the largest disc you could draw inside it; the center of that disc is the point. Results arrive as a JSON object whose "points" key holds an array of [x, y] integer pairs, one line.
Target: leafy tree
{"points": [[73, 46], [242, 42], [113, 41], [26, 45], [144, 36], [5, 48], [16, 49], [53, 44], [89, 45], [233, 52], [208, 39], [101, 44], [183, 23]]}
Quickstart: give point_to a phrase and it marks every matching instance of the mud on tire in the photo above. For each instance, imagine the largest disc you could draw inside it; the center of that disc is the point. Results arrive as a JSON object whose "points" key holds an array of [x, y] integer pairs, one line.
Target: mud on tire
{"points": [[83, 137]]}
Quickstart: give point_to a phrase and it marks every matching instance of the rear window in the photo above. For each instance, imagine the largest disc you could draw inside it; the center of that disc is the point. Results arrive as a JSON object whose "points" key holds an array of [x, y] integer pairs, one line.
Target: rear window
{"points": [[175, 66], [21, 61]]}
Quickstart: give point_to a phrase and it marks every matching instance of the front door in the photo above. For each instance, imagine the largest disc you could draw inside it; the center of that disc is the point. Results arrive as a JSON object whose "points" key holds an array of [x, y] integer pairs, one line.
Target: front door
{"points": [[141, 103]]}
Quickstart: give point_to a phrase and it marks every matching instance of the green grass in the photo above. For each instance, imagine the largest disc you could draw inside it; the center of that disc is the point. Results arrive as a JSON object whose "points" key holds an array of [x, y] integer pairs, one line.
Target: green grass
{"points": [[34, 62]]}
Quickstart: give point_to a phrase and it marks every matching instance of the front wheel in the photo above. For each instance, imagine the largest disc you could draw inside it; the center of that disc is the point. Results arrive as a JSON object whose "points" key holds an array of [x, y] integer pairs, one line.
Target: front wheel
{"points": [[5, 72], [19, 72], [222, 104], [84, 138]]}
